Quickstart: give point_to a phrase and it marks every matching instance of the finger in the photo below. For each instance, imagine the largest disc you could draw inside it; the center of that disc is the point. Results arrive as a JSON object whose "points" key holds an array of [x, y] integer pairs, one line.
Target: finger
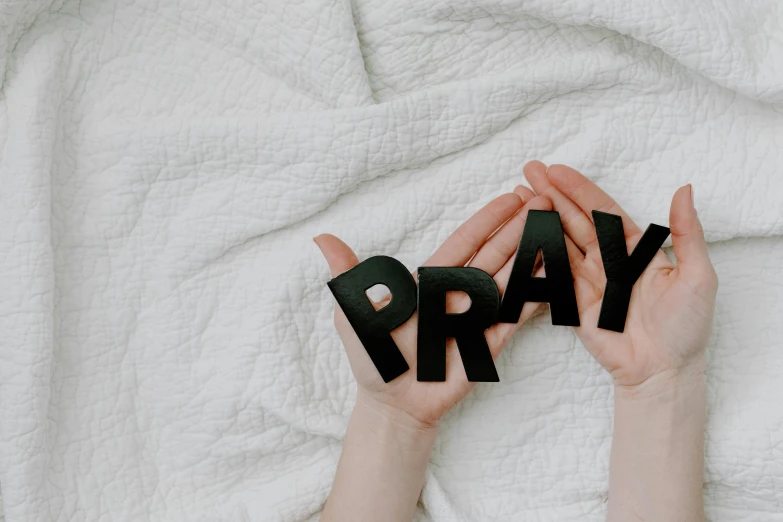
{"points": [[460, 246], [584, 287], [690, 248], [535, 173], [524, 193], [501, 246], [575, 256], [340, 258], [588, 196], [499, 334], [338, 255], [589, 280], [503, 274], [575, 222]]}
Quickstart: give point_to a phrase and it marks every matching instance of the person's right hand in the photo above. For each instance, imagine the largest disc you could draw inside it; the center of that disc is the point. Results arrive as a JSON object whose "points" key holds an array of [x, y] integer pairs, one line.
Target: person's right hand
{"points": [[479, 243], [671, 309]]}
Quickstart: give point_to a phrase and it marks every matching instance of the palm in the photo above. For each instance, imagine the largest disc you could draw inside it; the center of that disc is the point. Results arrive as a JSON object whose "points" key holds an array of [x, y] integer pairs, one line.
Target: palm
{"points": [[486, 241], [669, 316], [426, 401]]}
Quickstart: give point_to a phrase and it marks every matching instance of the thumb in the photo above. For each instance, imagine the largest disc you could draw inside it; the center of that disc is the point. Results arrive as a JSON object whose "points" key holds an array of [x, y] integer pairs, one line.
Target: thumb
{"points": [[338, 255], [690, 248]]}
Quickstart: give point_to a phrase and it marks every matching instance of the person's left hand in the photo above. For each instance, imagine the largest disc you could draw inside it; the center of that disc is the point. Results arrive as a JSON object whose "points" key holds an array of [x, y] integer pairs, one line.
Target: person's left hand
{"points": [[670, 313]]}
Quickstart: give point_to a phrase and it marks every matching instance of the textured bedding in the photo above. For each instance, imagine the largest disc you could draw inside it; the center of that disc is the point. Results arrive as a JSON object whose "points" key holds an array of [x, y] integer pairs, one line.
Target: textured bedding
{"points": [[166, 342]]}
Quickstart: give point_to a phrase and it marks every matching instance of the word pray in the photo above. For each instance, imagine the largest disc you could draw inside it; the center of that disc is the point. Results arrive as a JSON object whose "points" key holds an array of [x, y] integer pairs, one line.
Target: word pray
{"points": [[543, 231]]}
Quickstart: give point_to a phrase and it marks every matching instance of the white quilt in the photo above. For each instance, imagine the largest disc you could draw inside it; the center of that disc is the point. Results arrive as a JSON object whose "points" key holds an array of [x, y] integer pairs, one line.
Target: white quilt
{"points": [[166, 344]]}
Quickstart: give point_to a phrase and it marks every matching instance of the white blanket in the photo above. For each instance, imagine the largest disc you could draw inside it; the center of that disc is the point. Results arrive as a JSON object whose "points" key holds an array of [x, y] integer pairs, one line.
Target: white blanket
{"points": [[166, 343]]}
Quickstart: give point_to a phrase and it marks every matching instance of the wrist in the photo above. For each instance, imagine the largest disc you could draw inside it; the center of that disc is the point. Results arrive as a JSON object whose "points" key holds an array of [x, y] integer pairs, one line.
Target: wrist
{"points": [[383, 464], [672, 384], [657, 459], [387, 422]]}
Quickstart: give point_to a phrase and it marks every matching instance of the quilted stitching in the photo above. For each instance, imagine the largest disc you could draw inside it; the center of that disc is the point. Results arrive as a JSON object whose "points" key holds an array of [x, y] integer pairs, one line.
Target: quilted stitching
{"points": [[168, 350]]}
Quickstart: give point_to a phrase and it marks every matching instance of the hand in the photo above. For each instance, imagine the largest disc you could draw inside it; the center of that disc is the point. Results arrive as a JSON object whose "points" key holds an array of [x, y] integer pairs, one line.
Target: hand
{"points": [[472, 244], [657, 459], [671, 309]]}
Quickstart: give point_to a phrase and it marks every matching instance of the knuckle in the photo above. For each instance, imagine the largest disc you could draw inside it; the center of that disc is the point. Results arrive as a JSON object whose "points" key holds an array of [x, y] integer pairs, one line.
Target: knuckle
{"points": [[610, 207], [709, 278], [714, 279]]}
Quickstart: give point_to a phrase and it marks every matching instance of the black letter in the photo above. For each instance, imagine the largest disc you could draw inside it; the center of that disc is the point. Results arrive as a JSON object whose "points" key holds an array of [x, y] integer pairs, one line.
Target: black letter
{"points": [[467, 328], [542, 231], [622, 270], [373, 326]]}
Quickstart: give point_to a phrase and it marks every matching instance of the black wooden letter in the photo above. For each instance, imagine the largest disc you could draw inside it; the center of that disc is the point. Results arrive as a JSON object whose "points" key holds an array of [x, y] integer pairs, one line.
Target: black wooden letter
{"points": [[542, 231], [622, 270], [467, 328], [373, 326]]}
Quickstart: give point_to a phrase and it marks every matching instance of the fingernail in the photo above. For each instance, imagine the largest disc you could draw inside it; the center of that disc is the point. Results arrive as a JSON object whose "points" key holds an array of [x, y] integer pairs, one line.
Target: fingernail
{"points": [[690, 186], [517, 191]]}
